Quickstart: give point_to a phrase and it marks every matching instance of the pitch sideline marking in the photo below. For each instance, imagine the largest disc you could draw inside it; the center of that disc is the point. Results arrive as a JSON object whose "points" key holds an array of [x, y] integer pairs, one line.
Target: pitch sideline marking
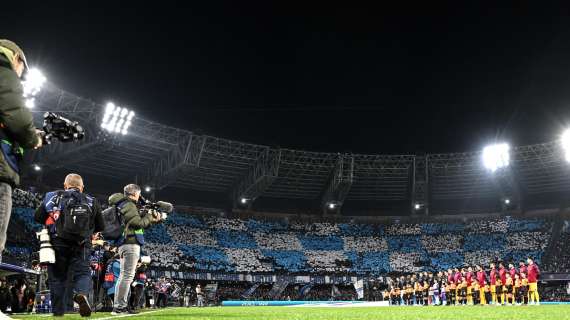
{"points": [[130, 315]]}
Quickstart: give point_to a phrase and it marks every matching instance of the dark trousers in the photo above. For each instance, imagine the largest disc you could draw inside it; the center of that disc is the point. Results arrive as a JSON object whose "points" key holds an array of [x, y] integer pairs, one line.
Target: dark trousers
{"points": [[70, 261], [135, 298], [162, 300]]}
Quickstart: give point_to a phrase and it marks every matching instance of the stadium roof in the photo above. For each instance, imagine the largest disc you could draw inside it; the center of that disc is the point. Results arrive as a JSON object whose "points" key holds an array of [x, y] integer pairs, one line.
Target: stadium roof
{"points": [[162, 156]]}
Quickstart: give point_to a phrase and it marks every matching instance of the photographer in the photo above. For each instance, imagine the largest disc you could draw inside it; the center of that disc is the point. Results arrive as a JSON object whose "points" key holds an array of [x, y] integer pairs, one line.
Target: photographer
{"points": [[17, 130], [137, 287], [71, 217], [131, 242]]}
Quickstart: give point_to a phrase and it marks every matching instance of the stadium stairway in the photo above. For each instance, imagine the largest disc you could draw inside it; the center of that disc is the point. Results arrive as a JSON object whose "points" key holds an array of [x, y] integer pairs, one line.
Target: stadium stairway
{"points": [[550, 252]]}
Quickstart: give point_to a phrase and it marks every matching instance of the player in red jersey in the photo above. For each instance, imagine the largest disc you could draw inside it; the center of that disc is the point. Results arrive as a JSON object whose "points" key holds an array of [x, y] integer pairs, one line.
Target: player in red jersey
{"points": [[503, 276], [512, 271], [469, 280], [469, 276], [482, 279], [457, 276], [450, 278], [533, 273], [522, 268]]}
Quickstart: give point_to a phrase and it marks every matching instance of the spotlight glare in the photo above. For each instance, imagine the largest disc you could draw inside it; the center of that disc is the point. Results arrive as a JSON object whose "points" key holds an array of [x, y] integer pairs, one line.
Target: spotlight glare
{"points": [[117, 119], [32, 85], [110, 107], [332, 206], [496, 156], [565, 141], [507, 201], [147, 189], [30, 103], [417, 206], [243, 200], [37, 167]]}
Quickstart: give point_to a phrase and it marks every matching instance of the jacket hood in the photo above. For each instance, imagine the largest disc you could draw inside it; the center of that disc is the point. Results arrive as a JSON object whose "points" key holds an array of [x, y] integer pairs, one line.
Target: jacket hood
{"points": [[116, 198]]}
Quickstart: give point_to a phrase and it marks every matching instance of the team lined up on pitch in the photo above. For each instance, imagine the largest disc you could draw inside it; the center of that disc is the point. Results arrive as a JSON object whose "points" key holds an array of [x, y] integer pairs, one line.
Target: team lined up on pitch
{"points": [[464, 287]]}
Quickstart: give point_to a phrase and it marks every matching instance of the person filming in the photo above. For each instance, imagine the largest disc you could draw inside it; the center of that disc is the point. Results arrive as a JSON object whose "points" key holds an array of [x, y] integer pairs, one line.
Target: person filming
{"points": [[17, 131], [130, 243]]}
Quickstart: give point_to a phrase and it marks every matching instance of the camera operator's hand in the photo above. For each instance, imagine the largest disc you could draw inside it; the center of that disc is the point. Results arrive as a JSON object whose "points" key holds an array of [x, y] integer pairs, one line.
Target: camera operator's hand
{"points": [[98, 242], [155, 216], [40, 139]]}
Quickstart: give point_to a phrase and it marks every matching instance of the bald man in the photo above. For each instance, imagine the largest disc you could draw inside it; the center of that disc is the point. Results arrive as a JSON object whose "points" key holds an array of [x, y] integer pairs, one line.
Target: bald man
{"points": [[71, 217]]}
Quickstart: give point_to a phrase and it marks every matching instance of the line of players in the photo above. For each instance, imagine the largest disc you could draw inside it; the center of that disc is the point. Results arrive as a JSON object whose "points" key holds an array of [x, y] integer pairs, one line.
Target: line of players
{"points": [[500, 286]]}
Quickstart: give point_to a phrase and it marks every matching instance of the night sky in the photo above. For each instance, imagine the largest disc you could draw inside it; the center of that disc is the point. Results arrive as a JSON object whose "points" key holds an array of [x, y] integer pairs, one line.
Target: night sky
{"points": [[353, 78]]}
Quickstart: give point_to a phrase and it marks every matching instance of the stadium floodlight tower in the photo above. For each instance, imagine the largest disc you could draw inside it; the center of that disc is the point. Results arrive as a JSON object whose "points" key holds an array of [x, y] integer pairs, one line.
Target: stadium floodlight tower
{"points": [[496, 156], [117, 119], [32, 84], [565, 141]]}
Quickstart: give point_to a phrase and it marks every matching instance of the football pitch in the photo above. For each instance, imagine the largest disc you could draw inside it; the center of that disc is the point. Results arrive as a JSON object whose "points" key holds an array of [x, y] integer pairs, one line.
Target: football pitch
{"points": [[550, 312]]}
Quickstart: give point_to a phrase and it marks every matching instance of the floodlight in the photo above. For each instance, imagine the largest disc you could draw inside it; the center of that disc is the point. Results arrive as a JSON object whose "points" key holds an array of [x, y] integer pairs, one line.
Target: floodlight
{"points": [[117, 119], [32, 84], [332, 206], [417, 206], [565, 141], [37, 167], [496, 156], [243, 200], [147, 189], [507, 201]]}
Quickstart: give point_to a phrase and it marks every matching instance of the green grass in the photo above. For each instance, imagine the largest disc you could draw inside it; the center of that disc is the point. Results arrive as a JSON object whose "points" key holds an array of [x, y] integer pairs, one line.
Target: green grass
{"points": [[396, 313]]}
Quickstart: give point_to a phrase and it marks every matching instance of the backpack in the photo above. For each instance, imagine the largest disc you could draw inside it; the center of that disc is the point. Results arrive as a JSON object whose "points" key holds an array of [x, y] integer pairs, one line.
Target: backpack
{"points": [[109, 275], [75, 221], [113, 220]]}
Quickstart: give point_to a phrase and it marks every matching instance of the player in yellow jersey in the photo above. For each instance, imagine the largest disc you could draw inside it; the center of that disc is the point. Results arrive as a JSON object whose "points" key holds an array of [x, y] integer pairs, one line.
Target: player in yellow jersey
{"points": [[475, 292], [462, 291], [470, 293], [517, 290], [524, 288], [508, 290], [452, 294], [498, 292]]}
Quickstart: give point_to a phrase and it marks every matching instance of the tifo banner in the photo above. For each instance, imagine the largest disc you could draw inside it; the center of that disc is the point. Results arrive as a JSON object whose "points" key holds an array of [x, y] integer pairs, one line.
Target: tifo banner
{"points": [[334, 291], [247, 293], [305, 289], [278, 289], [359, 287]]}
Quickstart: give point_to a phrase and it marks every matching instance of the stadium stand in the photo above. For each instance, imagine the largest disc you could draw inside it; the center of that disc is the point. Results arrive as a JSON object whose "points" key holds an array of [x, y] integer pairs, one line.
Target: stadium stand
{"points": [[206, 242]]}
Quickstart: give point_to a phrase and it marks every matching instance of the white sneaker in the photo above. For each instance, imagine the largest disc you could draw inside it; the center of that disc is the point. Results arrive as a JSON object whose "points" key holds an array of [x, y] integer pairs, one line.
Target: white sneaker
{"points": [[4, 316]]}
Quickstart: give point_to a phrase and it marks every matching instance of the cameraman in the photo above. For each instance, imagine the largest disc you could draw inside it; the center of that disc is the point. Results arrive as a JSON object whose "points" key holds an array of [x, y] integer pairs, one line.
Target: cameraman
{"points": [[16, 128], [130, 244], [71, 218]]}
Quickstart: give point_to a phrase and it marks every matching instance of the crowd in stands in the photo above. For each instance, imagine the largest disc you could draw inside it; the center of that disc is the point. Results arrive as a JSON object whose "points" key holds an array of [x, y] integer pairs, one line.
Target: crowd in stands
{"points": [[222, 244], [236, 245], [195, 242], [561, 251]]}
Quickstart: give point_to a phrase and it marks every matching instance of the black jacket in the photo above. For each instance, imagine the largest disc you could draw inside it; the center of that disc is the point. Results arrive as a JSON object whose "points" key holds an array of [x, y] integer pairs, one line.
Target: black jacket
{"points": [[17, 122]]}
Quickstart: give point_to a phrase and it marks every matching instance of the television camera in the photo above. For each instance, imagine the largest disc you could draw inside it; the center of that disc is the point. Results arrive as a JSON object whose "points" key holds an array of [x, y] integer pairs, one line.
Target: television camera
{"points": [[61, 129], [164, 208]]}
